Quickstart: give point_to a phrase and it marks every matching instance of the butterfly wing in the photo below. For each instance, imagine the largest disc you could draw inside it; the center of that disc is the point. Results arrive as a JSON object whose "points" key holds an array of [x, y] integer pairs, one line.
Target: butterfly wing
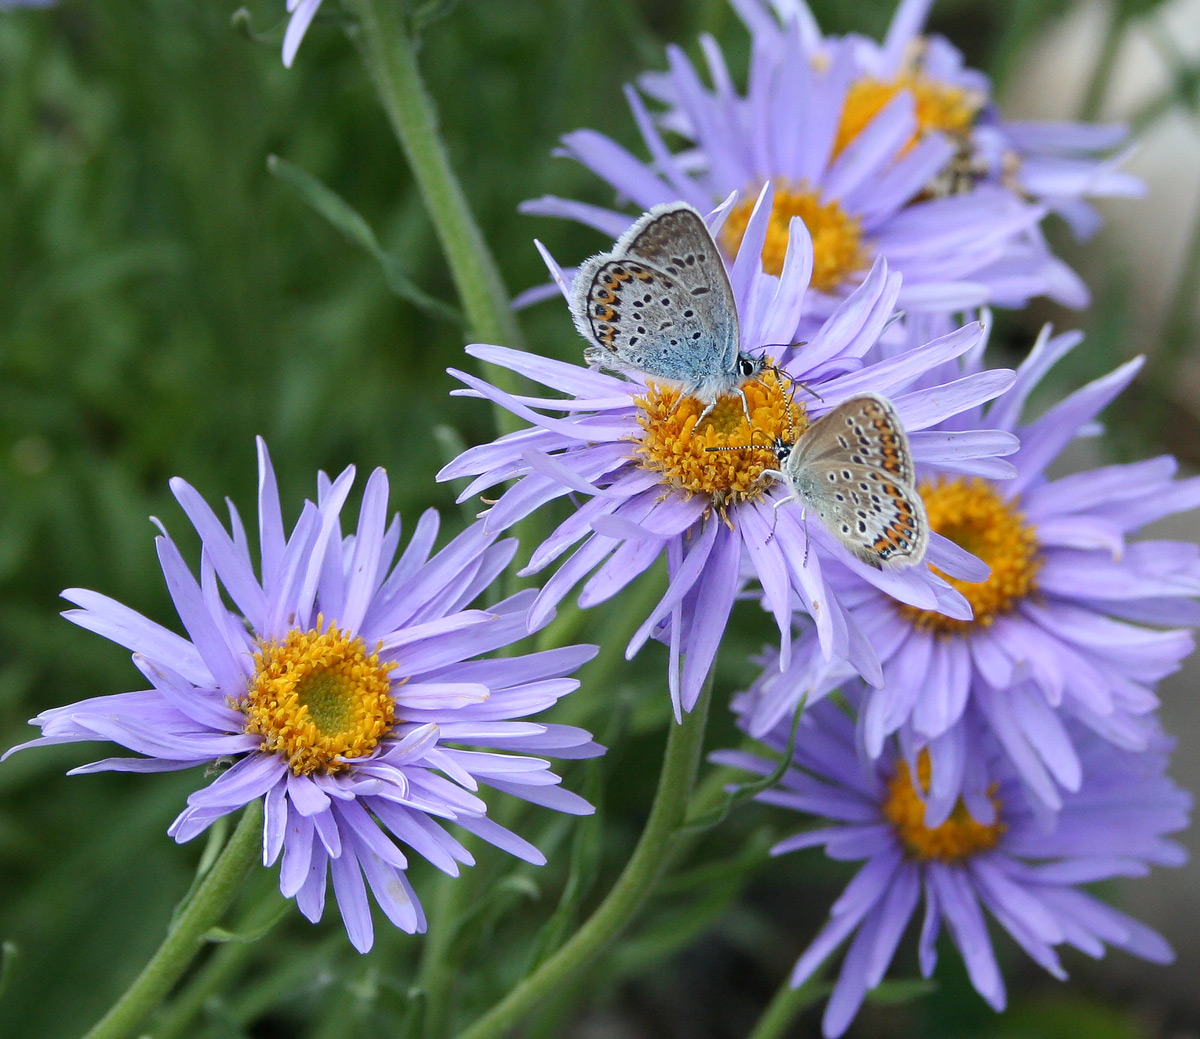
{"points": [[865, 430], [661, 304], [853, 467]]}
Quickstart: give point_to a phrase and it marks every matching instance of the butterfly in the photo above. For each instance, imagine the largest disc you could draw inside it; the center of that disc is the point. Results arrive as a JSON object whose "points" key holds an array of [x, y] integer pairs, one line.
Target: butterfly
{"points": [[854, 469], [660, 305]]}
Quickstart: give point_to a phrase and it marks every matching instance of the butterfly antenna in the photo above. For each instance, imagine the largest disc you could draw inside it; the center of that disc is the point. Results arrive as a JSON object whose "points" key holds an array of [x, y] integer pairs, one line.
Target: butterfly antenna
{"points": [[785, 346], [741, 447], [808, 389], [790, 419], [792, 381]]}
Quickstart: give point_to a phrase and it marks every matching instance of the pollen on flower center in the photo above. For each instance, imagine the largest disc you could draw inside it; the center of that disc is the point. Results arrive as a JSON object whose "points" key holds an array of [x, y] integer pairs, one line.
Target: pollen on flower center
{"points": [[939, 107], [675, 444], [959, 837], [971, 514], [838, 250], [318, 697]]}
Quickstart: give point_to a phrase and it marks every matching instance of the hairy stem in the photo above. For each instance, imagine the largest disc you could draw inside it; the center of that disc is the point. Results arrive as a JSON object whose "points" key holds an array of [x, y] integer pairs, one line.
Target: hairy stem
{"points": [[187, 934]]}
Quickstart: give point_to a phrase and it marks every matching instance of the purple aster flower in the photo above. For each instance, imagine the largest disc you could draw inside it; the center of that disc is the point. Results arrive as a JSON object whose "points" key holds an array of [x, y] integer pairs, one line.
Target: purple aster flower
{"points": [[1058, 164], [995, 855], [1074, 620], [301, 13], [641, 458], [861, 198], [344, 692]]}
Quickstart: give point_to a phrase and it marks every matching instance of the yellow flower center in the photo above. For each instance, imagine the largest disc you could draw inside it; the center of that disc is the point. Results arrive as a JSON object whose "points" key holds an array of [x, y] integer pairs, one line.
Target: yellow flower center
{"points": [[838, 250], [971, 514], [959, 837], [939, 106], [675, 444], [317, 697]]}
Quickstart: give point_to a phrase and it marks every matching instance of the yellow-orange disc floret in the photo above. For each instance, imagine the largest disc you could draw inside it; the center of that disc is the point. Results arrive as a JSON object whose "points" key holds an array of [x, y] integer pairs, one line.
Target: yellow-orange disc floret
{"points": [[939, 107], [674, 444], [974, 516], [958, 838], [838, 251], [318, 697]]}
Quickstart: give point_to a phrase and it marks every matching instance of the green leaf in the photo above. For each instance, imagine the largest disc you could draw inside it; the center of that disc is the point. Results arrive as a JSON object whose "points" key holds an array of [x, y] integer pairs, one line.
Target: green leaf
{"points": [[242, 21], [413, 1021], [900, 990], [338, 212], [587, 852], [217, 833], [484, 912], [252, 931], [744, 792], [8, 960]]}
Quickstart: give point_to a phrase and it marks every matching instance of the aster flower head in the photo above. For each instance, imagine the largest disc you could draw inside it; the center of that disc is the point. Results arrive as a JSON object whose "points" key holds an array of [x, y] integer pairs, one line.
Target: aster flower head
{"points": [[992, 855], [343, 688], [1060, 165], [655, 487], [1074, 620], [861, 196]]}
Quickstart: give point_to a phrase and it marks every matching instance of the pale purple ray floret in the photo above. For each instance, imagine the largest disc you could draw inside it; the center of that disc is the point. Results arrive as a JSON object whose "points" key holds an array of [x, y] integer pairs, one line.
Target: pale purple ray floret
{"points": [[1026, 874], [460, 721], [631, 516], [1105, 620], [979, 247]]}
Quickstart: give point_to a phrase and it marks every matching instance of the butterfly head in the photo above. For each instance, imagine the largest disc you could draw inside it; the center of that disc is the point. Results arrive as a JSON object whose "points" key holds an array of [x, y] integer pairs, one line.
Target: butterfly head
{"points": [[750, 367]]}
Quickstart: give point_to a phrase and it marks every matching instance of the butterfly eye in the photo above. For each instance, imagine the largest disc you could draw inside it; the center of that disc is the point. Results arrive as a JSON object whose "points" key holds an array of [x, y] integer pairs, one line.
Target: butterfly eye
{"points": [[747, 367]]}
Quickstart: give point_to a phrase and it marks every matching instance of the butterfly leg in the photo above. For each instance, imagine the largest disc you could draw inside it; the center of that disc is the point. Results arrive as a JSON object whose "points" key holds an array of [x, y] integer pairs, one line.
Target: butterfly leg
{"points": [[745, 407], [775, 513]]}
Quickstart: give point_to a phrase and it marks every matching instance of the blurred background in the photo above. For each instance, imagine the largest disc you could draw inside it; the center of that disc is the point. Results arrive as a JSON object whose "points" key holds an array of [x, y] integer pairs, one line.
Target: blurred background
{"points": [[164, 298]]}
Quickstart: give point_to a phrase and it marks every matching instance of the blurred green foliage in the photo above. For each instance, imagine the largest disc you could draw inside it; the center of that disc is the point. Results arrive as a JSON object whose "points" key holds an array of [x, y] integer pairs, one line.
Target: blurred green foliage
{"points": [[163, 299]]}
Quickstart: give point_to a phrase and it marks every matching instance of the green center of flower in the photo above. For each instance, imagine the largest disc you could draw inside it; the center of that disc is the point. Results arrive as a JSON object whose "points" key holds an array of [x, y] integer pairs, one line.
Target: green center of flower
{"points": [[317, 697]]}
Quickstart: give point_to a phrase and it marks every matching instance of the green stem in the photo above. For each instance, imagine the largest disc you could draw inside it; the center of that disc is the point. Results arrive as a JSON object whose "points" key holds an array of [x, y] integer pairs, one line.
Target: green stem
{"points": [[1179, 326], [436, 975], [783, 1008], [389, 56], [228, 961], [187, 934], [645, 866], [1097, 86], [1176, 340]]}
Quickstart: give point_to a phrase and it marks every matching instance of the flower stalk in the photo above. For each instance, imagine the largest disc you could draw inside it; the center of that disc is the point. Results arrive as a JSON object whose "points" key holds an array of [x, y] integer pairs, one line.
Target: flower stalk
{"points": [[187, 935], [391, 60], [647, 864], [787, 1002]]}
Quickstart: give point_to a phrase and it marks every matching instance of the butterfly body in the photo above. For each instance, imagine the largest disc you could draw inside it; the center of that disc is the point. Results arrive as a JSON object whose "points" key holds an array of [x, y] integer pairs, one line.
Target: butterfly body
{"points": [[853, 468], [660, 305]]}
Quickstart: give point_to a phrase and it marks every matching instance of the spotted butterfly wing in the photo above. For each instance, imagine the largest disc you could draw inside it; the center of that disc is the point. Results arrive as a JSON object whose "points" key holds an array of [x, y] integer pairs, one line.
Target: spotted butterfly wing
{"points": [[853, 467], [660, 304]]}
